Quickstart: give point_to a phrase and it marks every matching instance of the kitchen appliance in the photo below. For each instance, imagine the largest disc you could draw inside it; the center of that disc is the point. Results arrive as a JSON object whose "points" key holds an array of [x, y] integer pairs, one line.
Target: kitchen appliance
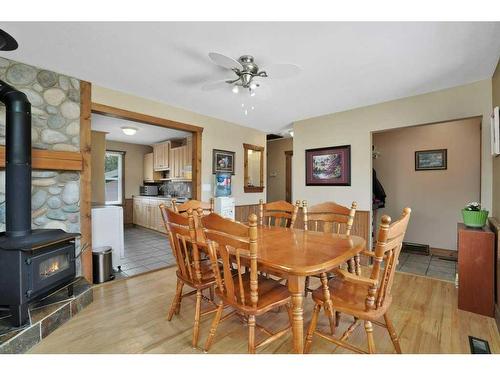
{"points": [[222, 185], [224, 206], [149, 190], [33, 263], [107, 230]]}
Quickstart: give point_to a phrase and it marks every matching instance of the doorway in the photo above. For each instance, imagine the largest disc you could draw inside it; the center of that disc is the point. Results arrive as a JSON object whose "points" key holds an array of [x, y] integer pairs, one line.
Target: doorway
{"points": [[279, 169], [436, 170], [138, 163]]}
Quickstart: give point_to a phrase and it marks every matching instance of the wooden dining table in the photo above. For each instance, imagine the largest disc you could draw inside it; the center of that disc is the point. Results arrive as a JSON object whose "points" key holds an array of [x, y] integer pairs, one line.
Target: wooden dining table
{"points": [[296, 254]]}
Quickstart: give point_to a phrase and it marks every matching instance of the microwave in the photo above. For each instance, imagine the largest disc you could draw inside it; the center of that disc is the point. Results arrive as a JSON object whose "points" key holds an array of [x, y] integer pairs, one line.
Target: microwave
{"points": [[149, 190]]}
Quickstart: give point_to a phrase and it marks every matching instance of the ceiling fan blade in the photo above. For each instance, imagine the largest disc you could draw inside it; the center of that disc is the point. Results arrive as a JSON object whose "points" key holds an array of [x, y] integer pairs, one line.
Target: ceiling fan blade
{"points": [[215, 85], [280, 71], [224, 61]]}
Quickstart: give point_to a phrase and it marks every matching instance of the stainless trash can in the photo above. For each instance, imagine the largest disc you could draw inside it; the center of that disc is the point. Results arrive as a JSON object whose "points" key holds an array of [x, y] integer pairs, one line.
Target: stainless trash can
{"points": [[102, 264]]}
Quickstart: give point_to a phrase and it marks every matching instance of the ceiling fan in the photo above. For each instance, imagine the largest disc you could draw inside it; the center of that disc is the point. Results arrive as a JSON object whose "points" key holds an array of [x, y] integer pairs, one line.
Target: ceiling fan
{"points": [[247, 73]]}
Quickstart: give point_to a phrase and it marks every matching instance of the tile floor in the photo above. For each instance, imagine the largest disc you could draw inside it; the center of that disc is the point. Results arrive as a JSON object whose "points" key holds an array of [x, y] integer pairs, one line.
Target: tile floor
{"points": [[428, 265], [145, 250]]}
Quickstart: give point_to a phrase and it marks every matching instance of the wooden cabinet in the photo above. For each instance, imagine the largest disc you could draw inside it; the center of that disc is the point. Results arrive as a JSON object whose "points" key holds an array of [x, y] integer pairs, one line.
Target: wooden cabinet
{"points": [[476, 272], [181, 160], [177, 156], [147, 213], [161, 156], [148, 169]]}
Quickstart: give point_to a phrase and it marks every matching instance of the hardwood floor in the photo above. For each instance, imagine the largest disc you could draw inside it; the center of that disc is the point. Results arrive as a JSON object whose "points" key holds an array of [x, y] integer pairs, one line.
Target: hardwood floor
{"points": [[129, 316]]}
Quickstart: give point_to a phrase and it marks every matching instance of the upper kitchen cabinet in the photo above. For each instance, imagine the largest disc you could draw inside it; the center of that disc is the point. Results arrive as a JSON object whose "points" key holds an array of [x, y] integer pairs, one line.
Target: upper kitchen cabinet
{"points": [[161, 156], [148, 168], [181, 160]]}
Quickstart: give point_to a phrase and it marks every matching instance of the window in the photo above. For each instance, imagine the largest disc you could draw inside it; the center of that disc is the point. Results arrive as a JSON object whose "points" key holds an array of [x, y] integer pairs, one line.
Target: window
{"points": [[113, 177]]}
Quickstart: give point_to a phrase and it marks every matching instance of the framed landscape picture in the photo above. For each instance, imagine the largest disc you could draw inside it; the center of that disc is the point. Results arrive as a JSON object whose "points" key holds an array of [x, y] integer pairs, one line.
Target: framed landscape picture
{"points": [[328, 166], [430, 160], [222, 161]]}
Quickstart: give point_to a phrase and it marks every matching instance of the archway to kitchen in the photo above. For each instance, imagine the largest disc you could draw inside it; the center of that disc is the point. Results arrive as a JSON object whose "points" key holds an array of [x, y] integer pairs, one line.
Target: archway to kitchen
{"points": [[139, 162]]}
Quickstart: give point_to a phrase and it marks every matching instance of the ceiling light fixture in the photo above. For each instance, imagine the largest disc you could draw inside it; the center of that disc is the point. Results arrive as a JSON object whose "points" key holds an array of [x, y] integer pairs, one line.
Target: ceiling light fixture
{"points": [[129, 130], [235, 90]]}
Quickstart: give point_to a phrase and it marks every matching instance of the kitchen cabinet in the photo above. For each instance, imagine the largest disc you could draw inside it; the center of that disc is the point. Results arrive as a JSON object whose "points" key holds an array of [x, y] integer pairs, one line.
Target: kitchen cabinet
{"points": [[161, 156], [177, 156], [148, 169], [181, 160], [147, 213]]}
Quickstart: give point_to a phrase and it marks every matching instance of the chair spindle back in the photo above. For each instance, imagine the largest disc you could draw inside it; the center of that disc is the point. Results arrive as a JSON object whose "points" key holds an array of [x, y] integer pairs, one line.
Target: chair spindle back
{"points": [[388, 248], [278, 214], [182, 237], [329, 217], [231, 242]]}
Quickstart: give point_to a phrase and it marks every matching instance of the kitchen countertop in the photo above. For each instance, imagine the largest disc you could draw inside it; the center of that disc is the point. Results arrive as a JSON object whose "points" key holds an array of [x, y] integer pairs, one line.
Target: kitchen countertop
{"points": [[160, 197]]}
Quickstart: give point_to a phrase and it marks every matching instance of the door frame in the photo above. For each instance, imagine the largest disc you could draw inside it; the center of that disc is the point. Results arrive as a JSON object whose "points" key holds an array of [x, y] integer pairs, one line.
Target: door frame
{"points": [[288, 176], [87, 107]]}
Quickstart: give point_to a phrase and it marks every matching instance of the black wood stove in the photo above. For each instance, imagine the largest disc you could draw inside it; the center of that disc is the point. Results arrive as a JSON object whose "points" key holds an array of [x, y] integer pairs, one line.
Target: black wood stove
{"points": [[33, 263]]}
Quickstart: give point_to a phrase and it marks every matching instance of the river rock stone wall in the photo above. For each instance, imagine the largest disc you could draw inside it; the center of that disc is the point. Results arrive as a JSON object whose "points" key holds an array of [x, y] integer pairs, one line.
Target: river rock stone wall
{"points": [[55, 104]]}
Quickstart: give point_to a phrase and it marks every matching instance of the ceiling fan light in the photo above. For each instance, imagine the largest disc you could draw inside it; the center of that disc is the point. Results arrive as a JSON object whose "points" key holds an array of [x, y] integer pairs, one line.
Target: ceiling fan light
{"points": [[252, 93], [129, 130], [235, 90], [253, 86]]}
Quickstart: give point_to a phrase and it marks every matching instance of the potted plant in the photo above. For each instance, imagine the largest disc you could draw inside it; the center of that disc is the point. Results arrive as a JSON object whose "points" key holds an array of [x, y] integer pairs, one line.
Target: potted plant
{"points": [[473, 215]]}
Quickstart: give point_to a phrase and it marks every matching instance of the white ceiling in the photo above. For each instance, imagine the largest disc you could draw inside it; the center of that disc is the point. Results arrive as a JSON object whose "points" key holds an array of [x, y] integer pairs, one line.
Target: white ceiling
{"points": [[146, 134], [345, 65]]}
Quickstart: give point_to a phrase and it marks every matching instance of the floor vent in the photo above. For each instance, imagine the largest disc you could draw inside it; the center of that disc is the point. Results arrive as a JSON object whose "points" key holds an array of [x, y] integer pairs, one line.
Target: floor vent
{"points": [[479, 346], [416, 248]]}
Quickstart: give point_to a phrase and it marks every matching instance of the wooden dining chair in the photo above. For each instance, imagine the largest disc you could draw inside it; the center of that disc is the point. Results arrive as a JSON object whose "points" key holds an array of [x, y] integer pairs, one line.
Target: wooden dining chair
{"points": [[195, 205], [249, 293], [191, 269], [332, 218], [278, 214], [365, 298]]}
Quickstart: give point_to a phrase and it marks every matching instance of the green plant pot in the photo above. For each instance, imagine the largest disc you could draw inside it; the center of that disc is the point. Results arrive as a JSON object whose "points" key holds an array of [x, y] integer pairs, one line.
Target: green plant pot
{"points": [[475, 219]]}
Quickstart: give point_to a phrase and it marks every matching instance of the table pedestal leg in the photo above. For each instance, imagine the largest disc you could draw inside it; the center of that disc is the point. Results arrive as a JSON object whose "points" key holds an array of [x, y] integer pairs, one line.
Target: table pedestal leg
{"points": [[296, 288]]}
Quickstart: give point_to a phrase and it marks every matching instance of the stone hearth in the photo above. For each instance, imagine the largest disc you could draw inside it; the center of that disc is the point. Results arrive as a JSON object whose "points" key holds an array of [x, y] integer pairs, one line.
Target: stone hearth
{"points": [[46, 316]]}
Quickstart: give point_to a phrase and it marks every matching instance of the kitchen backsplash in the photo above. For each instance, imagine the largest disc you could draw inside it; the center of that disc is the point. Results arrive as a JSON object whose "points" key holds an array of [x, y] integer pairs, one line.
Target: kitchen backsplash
{"points": [[177, 189]]}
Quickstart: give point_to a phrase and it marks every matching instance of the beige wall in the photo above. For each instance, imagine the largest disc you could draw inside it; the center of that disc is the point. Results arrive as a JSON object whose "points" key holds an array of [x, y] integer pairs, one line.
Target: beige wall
{"points": [[276, 164], [217, 134], [435, 197], [496, 160], [354, 128], [134, 157], [98, 142]]}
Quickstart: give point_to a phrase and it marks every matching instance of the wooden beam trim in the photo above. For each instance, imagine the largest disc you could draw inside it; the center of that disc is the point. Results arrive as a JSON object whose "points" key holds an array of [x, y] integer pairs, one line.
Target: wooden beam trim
{"points": [[85, 178], [143, 118], [51, 160]]}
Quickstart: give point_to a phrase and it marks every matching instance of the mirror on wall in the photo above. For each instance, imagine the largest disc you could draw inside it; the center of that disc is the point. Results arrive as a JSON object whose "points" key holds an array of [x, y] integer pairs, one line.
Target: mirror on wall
{"points": [[254, 168]]}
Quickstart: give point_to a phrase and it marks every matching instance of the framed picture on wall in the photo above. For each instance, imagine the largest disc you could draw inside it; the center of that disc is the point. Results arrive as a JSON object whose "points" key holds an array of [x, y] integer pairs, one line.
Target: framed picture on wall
{"points": [[328, 166], [222, 161], [431, 160]]}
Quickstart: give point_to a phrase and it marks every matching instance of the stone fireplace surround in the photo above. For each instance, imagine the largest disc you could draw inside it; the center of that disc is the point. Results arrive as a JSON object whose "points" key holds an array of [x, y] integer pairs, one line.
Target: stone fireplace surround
{"points": [[55, 101]]}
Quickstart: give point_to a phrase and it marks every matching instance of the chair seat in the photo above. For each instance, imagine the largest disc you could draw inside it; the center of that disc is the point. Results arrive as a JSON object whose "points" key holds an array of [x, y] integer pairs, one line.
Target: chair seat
{"points": [[271, 295], [349, 298]]}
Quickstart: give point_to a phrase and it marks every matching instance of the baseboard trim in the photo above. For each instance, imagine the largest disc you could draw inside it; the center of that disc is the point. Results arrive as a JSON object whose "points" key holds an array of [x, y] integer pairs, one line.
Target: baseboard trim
{"points": [[444, 253]]}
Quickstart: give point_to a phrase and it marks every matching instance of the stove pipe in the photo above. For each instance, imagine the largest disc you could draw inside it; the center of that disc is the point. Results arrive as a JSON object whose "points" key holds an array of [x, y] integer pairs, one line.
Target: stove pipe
{"points": [[17, 161]]}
